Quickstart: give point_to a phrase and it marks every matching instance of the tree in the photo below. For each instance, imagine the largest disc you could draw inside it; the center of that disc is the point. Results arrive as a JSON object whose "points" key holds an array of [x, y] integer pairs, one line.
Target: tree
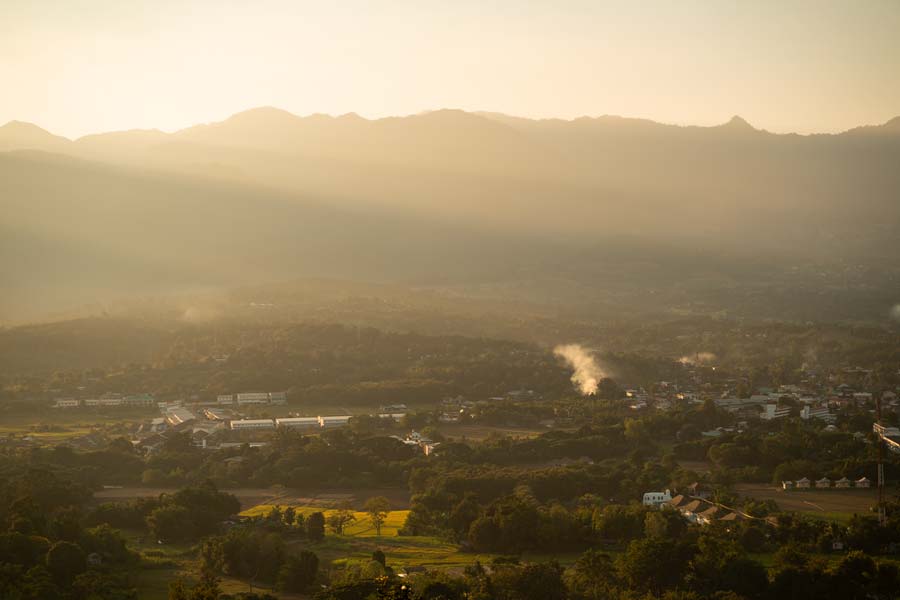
{"points": [[171, 524], [379, 557], [65, 561], [378, 508], [315, 526], [339, 519], [290, 515], [593, 576], [205, 589], [463, 515], [298, 572], [653, 564]]}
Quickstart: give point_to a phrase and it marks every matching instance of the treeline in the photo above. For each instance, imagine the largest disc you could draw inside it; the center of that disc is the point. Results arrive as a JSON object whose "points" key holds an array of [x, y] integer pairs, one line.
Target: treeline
{"points": [[50, 550], [704, 566]]}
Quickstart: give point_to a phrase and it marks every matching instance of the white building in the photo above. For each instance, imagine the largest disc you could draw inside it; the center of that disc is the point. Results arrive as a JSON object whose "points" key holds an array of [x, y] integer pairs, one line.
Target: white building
{"points": [[820, 412], [278, 397], [657, 498], [253, 424], [225, 399], [253, 398], [329, 422], [139, 400], [66, 403], [299, 422], [773, 411]]}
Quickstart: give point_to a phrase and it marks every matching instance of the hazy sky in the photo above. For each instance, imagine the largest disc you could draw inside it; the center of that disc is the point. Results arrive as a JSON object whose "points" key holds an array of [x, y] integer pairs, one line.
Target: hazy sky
{"points": [[81, 66]]}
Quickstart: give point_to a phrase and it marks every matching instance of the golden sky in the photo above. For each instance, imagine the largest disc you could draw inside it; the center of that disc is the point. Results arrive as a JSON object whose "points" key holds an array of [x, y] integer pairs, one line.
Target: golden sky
{"points": [[83, 66]]}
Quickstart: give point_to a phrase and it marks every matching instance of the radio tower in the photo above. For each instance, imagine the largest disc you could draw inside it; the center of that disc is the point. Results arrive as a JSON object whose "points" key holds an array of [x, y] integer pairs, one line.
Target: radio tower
{"points": [[879, 428]]}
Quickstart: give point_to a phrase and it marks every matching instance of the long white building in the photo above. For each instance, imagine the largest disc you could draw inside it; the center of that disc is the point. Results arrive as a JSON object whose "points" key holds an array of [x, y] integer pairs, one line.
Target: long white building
{"points": [[299, 422], [329, 422], [253, 424]]}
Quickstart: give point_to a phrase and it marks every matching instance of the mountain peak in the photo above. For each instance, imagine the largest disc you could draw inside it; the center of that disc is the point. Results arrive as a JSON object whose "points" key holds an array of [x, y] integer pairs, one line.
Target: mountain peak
{"points": [[24, 135], [893, 125], [738, 123]]}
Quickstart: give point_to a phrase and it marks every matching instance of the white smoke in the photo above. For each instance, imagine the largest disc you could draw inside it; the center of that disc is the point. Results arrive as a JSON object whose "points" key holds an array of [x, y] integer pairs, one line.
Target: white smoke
{"points": [[586, 372], [200, 314], [700, 358]]}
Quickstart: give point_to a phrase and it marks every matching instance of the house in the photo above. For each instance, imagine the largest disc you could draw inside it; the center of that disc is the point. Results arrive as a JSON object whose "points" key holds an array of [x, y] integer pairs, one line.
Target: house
{"points": [[802, 484], [787, 485], [178, 415], [94, 559], [253, 424], [711, 514], [693, 508], [657, 498], [678, 501], [732, 517], [843, 482], [863, 482], [823, 483], [217, 414]]}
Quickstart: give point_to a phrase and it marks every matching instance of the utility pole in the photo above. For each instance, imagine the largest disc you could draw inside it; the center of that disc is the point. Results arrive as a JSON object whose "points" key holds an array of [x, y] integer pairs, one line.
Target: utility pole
{"points": [[882, 516]]}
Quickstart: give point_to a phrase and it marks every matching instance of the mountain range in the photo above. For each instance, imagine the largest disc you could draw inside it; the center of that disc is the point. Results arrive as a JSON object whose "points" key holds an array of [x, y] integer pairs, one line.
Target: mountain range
{"points": [[481, 200]]}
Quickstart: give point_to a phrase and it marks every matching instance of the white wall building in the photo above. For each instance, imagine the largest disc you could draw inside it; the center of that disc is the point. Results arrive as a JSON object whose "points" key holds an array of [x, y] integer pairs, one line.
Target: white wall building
{"points": [[329, 422], [253, 398], [657, 498], [253, 424], [299, 422]]}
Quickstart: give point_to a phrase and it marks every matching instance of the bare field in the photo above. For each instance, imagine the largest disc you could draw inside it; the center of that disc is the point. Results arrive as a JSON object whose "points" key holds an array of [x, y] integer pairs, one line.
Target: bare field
{"points": [[812, 501], [482, 432]]}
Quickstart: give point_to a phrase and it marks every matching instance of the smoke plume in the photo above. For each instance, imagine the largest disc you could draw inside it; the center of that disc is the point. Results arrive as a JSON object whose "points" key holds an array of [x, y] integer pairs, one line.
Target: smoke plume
{"points": [[700, 358], [586, 372]]}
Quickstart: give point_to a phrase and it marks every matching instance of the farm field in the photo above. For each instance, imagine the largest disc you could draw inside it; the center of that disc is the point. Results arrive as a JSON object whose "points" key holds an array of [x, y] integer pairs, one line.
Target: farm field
{"points": [[482, 432], [831, 503], [360, 527]]}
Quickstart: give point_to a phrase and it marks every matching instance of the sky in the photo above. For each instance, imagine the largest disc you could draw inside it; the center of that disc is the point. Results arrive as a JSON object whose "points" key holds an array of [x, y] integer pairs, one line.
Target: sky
{"points": [[83, 66]]}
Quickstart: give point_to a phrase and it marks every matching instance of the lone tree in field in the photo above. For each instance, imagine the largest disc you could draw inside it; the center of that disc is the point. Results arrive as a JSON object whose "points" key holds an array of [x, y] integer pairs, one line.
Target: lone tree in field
{"points": [[340, 518], [378, 509]]}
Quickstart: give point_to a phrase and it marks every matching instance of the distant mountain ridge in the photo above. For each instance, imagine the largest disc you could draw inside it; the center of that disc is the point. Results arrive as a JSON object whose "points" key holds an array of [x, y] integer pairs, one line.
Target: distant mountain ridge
{"points": [[17, 135], [448, 195]]}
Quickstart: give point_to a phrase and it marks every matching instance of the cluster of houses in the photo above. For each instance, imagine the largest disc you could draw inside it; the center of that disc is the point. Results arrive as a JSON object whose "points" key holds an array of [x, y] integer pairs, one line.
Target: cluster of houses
{"points": [[826, 484], [414, 438], [694, 507], [816, 397]]}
